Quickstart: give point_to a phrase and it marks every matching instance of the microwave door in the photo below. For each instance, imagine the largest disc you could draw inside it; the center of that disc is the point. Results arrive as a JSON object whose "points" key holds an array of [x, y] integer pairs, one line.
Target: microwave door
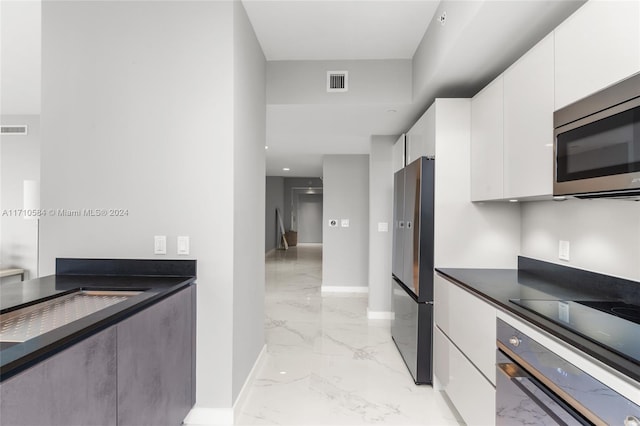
{"points": [[594, 155]]}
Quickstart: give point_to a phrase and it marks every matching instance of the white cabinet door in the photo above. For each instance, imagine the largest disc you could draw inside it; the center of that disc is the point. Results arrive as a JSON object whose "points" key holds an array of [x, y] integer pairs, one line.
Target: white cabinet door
{"points": [[472, 325], [398, 154], [487, 142], [421, 138], [528, 123], [469, 322], [441, 303], [596, 46], [472, 395]]}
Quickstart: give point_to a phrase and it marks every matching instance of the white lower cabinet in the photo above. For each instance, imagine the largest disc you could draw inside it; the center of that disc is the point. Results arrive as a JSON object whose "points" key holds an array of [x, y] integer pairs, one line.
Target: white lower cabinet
{"points": [[470, 392], [465, 351]]}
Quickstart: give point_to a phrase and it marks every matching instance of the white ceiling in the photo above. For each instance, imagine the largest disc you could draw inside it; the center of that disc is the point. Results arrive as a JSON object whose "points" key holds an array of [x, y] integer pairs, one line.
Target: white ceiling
{"points": [[477, 42], [482, 39], [346, 29]]}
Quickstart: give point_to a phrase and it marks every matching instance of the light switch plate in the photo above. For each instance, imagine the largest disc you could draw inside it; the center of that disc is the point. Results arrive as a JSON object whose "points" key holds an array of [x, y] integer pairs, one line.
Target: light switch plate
{"points": [[183, 245], [345, 223], [383, 227], [160, 244], [563, 250]]}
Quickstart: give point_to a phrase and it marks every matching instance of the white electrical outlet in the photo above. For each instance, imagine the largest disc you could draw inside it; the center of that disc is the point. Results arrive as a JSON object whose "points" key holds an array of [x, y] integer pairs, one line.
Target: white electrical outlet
{"points": [[344, 223], [383, 227], [183, 245], [160, 244], [563, 250]]}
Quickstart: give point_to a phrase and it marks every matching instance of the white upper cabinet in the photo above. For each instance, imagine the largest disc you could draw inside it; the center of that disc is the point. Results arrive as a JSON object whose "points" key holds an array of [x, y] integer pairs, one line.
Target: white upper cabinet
{"points": [[512, 118], [487, 136], [421, 137], [595, 47], [528, 123], [398, 153]]}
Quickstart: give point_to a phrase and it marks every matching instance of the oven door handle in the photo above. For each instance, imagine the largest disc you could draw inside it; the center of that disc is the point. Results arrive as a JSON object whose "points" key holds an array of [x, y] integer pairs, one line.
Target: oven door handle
{"points": [[559, 411]]}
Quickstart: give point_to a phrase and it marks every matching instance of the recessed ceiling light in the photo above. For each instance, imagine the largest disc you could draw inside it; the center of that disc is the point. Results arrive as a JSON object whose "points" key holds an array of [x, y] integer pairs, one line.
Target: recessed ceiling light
{"points": [[391, 111], [548, 145], [513, 201], [286, 169], [266, 147]]}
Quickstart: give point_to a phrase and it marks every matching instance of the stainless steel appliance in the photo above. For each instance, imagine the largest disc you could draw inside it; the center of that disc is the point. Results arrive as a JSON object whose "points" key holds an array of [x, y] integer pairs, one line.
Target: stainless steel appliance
{"points": [[412, 266], [597, 144], [536, 386]]}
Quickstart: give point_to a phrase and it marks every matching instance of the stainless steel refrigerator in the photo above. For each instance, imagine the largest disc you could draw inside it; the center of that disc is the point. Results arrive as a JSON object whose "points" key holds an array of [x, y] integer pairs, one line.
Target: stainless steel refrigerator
{"points": [[412, 268]]}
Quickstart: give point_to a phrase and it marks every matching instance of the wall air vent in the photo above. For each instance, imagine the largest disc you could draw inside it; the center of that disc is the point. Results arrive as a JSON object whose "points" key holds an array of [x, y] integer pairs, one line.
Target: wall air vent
{"points": [[337, 81], [13, 130]]}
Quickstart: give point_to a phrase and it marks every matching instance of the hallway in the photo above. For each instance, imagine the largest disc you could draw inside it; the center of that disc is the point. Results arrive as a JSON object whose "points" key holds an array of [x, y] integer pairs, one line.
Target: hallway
{"points": [[326, 363]]}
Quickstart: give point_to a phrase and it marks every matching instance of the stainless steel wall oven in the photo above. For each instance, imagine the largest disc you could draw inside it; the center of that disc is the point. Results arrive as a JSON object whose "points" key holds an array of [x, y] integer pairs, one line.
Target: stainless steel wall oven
{"points": [[536, 386]]}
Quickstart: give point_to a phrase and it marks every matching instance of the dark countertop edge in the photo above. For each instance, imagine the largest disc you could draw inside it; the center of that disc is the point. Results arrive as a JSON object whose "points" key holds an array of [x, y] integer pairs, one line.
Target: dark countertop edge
{"points": [[127, 267], [602, 354], [100, 320]]}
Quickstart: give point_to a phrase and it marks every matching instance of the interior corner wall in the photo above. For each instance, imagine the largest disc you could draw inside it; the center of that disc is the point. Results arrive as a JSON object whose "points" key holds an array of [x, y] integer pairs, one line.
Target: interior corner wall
{"points": [[137, 114], [249, 81], [274, 198], [380, 222], [345, 254], [19, 161]]}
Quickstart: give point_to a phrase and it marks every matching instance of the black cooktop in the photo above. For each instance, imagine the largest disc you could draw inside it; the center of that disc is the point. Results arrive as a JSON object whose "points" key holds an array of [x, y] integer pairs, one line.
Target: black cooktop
{"points": [[614, 324]]}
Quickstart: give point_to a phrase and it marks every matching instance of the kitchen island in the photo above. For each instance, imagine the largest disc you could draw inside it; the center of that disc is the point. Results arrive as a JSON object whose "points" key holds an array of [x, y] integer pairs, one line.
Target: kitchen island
{"points": [[131, 362]]}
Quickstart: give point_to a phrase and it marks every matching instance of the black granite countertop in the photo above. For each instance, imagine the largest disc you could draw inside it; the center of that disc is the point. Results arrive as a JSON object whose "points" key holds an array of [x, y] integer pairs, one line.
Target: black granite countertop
{"points": [[540, 280], [153, 287]]}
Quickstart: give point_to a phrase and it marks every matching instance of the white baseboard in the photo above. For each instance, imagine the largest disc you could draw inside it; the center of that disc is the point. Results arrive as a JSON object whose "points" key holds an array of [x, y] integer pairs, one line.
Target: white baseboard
{"points": [[200, 416], [244, 392], [382, 315], [344, 289]]}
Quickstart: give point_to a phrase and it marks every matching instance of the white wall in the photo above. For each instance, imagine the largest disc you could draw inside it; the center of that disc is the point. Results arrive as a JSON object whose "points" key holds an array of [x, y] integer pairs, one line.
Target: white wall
{"points": [[20, 52], [309, 218], [604, 235], [249, 198], [19, 161], [139, 112], [370, 82], [380, 213], [274, 198], [346, 196]]}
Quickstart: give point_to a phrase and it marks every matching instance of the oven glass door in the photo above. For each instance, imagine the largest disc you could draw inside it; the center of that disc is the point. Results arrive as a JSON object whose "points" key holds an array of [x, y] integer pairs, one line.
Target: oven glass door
{"points": [[604, 147], [521, 399]]}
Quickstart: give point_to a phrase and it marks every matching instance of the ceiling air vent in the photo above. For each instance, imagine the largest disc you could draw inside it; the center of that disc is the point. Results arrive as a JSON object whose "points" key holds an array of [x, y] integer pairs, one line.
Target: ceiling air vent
{"points": [[337, 81], [13, 130]]}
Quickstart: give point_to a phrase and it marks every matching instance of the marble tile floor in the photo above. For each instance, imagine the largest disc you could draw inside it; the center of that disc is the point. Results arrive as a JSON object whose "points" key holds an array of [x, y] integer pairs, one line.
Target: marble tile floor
{"points": [[326, 363]]}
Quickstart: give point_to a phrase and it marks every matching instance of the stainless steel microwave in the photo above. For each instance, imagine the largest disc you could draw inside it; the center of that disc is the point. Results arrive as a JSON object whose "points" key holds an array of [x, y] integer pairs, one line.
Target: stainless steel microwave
{"points": [[597, 144]]}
